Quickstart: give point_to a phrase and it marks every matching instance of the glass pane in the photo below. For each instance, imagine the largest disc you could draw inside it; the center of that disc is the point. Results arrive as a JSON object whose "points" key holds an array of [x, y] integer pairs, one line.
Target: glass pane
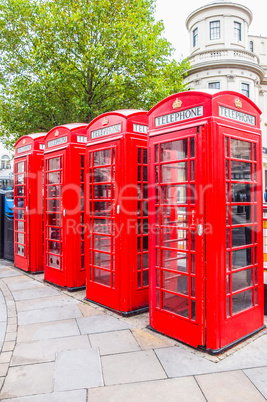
{"points": [[20, 167], [102, 191], [53, 177], [102, 226], [240, 149], [241, 279], [102, 208], [20, 238], [145, 278], [241, 171], [102, 175], [241, 258], [175, 304], [102, 260], [20, 190], [102, 157], [174, 194], [175, 282], [54, 247], [241, 214], [53, 191], [192, 178], [241, 236], [174, 172], [241, 192], [54, 233], [54, 164], [171, 259], [174, 238], [174, 150], [102, 277], [226, 146], [102, 243], [241, 301]]}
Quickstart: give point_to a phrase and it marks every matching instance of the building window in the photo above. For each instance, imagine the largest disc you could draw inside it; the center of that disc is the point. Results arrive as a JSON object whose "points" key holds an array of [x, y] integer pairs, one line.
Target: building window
{"points": [[215, 30], [195, 37], [214, 85], [5, 162], [251, 46], [237, 31], [245, 89]]}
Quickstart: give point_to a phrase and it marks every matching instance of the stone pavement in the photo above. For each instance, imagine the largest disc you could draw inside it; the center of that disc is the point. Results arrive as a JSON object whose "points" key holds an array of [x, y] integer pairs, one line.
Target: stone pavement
{"points": [[56, 347]]}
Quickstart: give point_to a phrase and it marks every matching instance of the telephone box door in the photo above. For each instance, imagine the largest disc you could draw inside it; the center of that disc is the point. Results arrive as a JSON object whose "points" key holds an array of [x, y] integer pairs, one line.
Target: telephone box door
{"points": [[53, 215], [104, 223], [177, 250], [21, 224]]}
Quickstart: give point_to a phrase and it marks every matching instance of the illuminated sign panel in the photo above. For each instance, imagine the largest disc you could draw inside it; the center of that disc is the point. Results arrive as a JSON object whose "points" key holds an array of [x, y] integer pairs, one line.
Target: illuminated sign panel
{"points": [[236, 115], [179, 116], [25, 148], [106, 131], [57, 141]]}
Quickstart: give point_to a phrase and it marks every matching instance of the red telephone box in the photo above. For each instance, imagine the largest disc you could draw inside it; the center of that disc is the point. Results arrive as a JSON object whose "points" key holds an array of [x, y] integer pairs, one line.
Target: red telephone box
{"points": [[64, 162], [28, 203], [205, 181], [117, 258]]}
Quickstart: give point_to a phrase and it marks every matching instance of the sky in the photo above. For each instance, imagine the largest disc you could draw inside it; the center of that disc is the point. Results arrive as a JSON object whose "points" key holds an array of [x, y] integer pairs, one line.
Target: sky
{"points": [[174, 13]]}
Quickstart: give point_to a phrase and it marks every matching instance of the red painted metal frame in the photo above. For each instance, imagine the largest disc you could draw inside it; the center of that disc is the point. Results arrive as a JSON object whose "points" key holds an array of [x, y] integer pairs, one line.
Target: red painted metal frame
{"points": [[28, 203], [227, 309], [117, 268], [64, 161]]}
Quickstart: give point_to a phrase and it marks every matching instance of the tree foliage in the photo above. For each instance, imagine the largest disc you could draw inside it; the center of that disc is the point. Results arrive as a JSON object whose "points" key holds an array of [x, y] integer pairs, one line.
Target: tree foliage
{"points": [[67, 61]]}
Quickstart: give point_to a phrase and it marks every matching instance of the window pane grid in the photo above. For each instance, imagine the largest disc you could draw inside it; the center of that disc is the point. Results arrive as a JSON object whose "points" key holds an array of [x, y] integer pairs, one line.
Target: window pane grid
{"points": [[240, 227], [175, 272], [215, 30]]}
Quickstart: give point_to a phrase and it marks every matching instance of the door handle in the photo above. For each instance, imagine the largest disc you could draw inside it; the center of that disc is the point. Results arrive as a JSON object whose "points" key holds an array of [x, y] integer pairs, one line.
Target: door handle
{"points": [[200, 230], [118, 209], [64, 212]]}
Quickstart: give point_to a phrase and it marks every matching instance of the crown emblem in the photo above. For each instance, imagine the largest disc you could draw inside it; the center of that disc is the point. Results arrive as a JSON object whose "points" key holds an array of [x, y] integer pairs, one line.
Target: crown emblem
{"points": [[238, 103], [105, 121], [177, 103], [56, 133], [23, 142]]}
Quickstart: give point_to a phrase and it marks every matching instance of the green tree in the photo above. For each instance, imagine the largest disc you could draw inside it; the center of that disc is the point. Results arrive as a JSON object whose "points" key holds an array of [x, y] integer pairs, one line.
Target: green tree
{"points": [[67, 61]]}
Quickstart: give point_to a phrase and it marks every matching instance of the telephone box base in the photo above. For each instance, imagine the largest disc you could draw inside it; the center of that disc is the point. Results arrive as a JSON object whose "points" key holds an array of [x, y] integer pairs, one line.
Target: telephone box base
{"points": [[123, 313], [29, 271], [71, 289], [265, 299], [214, 352]]}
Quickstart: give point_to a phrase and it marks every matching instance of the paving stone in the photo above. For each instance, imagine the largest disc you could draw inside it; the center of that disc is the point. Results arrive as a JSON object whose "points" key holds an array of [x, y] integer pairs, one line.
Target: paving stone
{"points": [[88, 311], [131, 367], [252, 355], [47, 330], [67, 396], [147, 340], [5, 357], [229, 386], [49, 314], [23, 285], [114, 342], [16, 279], [5, 273], [28, 380], [45, 350], [180, 362], [8, 346], [178, 389], [2, 333], [3, 369], [102, 323], [11, 328], [10, 336], [3, 313], [77, 369], [35, 293], [45, 302], [258, 377]]}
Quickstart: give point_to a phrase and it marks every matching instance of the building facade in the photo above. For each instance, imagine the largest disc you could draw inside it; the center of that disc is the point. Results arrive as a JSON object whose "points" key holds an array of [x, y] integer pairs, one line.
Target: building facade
{"points": [[224, 56], [6, 167]]}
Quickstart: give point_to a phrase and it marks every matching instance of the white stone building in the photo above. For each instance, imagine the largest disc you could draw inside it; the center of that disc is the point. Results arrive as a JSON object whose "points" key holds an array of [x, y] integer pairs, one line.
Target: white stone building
{"points": [[223, 55], [6, 166]]}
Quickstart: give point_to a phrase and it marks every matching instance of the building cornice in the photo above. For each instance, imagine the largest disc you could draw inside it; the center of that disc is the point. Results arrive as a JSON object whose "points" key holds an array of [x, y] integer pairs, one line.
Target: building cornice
{"points": [[226, 63], [219, 4]]}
